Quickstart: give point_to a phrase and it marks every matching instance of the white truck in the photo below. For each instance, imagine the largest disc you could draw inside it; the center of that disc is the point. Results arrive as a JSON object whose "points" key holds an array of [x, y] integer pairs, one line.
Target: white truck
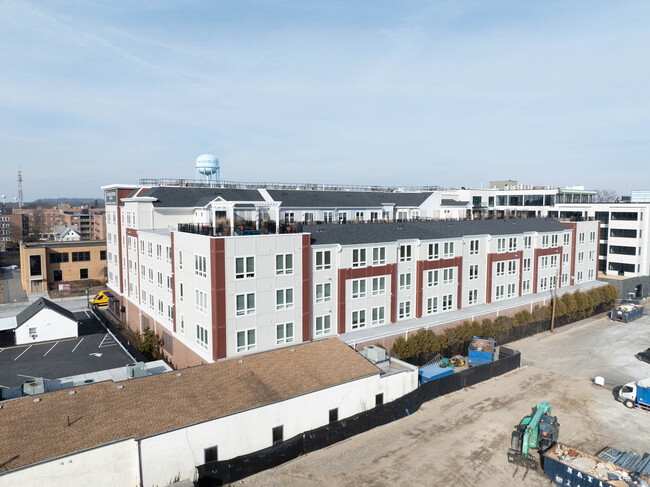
{"points": [[636, 394]]}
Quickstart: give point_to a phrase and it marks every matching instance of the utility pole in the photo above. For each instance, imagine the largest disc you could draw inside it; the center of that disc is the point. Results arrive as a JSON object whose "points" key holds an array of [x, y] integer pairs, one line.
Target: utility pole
{"points": [[554, 302]]}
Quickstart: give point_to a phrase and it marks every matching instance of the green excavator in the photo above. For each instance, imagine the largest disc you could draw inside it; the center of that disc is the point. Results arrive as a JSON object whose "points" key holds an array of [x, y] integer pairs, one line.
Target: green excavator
{"points": [[538, 431]]}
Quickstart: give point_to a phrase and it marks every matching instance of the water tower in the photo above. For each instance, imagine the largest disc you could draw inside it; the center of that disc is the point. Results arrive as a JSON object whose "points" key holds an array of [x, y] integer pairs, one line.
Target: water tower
{"points": [[207, 168]]}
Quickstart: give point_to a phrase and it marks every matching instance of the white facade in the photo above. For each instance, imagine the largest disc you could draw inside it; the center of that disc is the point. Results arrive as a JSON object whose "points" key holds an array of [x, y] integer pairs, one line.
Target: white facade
{"points": [[46, 325]]}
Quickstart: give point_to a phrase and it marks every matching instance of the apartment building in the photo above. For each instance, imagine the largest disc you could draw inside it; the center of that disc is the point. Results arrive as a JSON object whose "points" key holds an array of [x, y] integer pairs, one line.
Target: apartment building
{"points": [[212, 292], [13, 228], [41, 222]]}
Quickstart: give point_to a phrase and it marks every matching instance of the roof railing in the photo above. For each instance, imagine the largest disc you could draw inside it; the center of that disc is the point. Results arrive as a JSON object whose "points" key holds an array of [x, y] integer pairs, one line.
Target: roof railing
{"points": [[199, 183]]}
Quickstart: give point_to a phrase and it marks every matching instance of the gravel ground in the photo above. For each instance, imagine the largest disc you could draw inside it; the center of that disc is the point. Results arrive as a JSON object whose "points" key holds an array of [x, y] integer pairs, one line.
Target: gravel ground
{"points": [[462, 438]]}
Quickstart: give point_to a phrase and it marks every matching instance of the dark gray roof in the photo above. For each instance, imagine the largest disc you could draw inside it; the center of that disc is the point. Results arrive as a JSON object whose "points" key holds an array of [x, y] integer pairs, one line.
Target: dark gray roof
{"points": [[30, 311], [171, 196], [345, 199], [450, 202], [350, 234]]}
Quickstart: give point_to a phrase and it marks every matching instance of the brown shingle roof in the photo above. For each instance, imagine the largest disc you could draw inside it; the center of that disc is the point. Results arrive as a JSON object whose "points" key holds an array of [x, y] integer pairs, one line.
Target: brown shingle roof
{"points": [[101, 413]]}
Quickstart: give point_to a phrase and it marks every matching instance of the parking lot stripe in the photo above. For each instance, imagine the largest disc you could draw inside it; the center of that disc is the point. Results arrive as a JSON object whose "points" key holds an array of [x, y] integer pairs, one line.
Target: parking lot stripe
{"points": [[22, 353], [75, 347], [50, 349], [105, 337]]}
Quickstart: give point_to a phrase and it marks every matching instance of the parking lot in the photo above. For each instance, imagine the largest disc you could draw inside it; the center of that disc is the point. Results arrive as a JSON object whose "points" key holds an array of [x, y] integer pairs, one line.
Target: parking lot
{"points": [[462, 438], [93, 350]]}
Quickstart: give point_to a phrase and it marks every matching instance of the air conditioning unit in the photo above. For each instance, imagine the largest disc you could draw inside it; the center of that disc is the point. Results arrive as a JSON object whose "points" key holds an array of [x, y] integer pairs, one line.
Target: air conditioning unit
{"points": [[375, 354], [33, 386], [135, 370]]}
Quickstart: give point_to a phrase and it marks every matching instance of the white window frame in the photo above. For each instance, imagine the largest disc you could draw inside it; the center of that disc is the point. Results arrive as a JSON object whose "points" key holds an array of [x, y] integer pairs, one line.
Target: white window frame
{"points": [[284, 333], [358, 319], [325, 259], [200, 265], [244, 300], [404, 310], [201, 336], [284, 298], [283, 264], [248, 344], [378, 316], [358, 288], [245, 267], [378, 256], [359, 257], [405, 281], [323, 322], [405, 252], [323, 292]]}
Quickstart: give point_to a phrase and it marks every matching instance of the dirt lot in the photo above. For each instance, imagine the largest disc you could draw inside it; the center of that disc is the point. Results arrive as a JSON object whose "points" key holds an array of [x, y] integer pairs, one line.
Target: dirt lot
{"points": [[462, 438]]}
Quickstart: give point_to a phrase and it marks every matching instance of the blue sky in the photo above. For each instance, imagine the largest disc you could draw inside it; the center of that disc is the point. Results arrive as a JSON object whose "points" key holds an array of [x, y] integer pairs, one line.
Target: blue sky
{"points": [[449, 93]]}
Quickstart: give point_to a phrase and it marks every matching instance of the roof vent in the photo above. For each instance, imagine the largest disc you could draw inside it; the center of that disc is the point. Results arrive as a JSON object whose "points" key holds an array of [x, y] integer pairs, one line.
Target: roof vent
{"points": [[120, 387], [72, 392], [33, 386], [136, 370], [179, 374], [293, 349], [240, 361], [37, 399]]}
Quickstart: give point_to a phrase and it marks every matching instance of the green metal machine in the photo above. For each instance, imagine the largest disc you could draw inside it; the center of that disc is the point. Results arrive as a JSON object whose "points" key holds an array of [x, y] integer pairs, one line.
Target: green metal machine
{"points": [[538, 431]]}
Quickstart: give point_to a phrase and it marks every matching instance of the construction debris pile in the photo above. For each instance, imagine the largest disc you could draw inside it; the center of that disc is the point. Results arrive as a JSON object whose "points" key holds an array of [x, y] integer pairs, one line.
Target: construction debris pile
{"points": [[628, 460], [602, 468]]}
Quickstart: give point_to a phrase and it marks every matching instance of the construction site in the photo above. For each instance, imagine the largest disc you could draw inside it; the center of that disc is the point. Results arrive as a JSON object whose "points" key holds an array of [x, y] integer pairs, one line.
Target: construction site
{"points": [[463, 438]]}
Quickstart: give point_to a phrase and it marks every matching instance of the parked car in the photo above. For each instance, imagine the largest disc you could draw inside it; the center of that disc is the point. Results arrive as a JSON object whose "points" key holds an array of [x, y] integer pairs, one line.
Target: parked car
{"points": [[101, 299], [644, 356]]}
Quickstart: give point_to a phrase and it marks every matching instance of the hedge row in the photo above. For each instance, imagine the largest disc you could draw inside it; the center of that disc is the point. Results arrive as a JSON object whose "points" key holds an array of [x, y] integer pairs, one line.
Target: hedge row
{"points": [[423, 345]]}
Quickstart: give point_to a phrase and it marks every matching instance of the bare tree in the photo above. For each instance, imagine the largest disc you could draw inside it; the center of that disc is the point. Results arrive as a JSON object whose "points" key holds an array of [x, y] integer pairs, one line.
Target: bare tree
{"points": [[606, 195]]}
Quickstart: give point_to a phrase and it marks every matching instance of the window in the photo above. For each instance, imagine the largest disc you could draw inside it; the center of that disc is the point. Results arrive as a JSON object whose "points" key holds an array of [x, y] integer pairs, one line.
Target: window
{"points": [[591, 274], [170, 313], [404, 282], [334, 415], [512, 244], [358, 319], [473, 247], [144, 297], [499, 292], [432, 278], [543, 284], [501, 268], [592, 256], [158, 251], [141, 247], [528, 242], [581, 237], [200, 265], [245, 304], [244, 267], [405, 253], [565, 258], [359, 258], [83, 273], [283, 299], [284, 264], [358, 216], [323, 292], [149, 249], [143, 272], [151, 301], [511, 290], [581, 257], [80, 256], [447, 302], [567, 238], [553, 261], [379, 399], [544, 264], [246, 340], [512, 267], [473, 272], [182, 324], [404, 310], [308, 217], [201, 301], [544, 241], [180, 259], [328, 216], [473, 296], [579, 277], [525, 286], [448, 276], [323, 325], [151, 276], [160, 279], [289, 217], [378, 315], [501, 245], [434, 251], [323, 260], [358, 288], [56, 258], [592, 237], [449, 250], [554, 240], [284, 333], [378, 286], [181, 291], [161, 309], [168, 254], [432, 305], [277, 433], [526, 266], [210, 454], [379, 256]]}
